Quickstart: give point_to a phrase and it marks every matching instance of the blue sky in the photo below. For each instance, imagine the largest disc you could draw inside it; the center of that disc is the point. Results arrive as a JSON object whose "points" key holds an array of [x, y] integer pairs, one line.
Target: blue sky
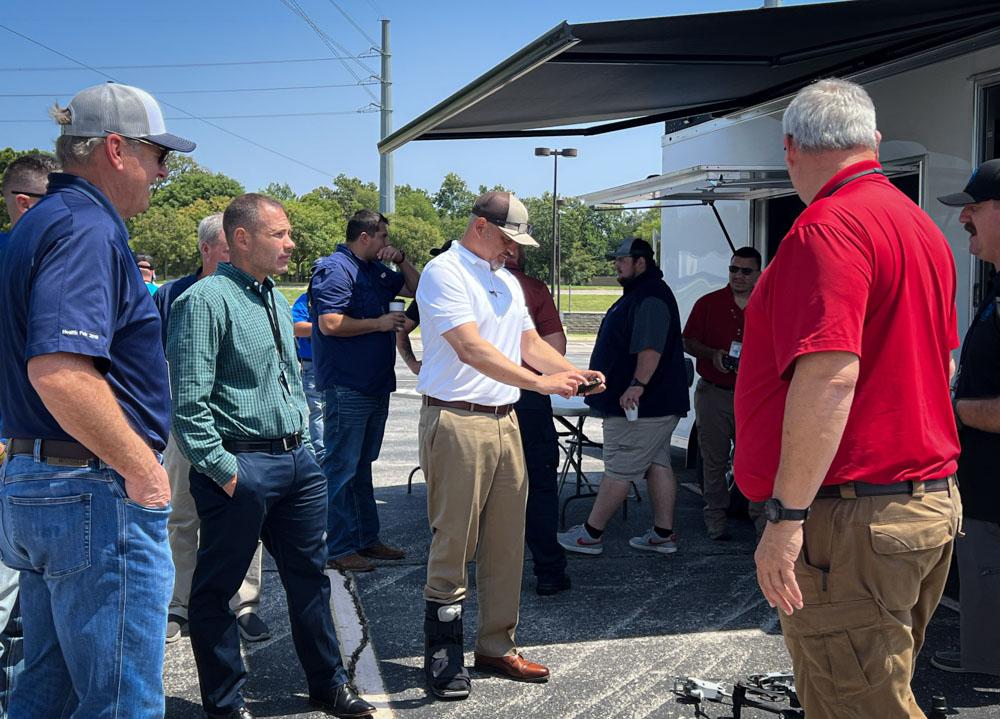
{"points": [[437, 46]]}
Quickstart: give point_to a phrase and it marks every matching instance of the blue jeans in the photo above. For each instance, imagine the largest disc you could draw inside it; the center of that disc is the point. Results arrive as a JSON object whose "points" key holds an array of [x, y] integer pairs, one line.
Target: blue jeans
{"points": [[314, 398], [281, 499], [354, 425], [95, 583]]}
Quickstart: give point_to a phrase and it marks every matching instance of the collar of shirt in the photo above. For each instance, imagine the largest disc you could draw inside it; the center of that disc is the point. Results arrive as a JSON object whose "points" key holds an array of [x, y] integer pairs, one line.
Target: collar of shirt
{"points": [[857, 167], [240, 277], [470, 257]]}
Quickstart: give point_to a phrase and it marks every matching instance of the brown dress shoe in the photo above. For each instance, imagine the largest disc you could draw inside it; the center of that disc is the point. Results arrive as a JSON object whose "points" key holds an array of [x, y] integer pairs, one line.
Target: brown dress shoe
{"points": [[350, 563], [382, 551], [514, 667]]}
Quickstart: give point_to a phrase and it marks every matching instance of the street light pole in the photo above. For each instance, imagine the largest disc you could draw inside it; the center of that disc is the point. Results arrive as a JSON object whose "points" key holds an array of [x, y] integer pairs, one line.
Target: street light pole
{"points": [[555, 275]]}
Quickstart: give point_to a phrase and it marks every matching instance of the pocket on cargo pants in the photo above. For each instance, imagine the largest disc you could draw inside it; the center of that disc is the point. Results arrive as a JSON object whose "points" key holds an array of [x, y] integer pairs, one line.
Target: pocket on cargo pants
{"points": [[840, 646]]}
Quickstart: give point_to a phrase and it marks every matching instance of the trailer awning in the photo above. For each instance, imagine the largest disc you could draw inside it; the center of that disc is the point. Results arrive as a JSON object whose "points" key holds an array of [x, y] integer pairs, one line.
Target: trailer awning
{"points": [[613, 75], [709, 183]]}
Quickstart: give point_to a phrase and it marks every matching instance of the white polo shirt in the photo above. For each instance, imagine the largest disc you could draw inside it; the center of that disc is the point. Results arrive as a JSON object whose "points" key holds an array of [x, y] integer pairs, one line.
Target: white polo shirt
{"points": [[457, 287]]}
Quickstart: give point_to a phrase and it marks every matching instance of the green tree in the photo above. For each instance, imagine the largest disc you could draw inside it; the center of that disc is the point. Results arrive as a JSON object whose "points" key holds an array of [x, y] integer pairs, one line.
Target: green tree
{"points": [[415, 236], [353, 194], [453, 198], [279, 191], [317, 227], [170, 235], [415, 203], [193, 182]]}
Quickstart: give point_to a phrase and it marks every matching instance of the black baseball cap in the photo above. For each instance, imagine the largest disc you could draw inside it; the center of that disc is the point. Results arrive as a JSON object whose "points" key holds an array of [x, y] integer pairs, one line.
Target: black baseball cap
{"points": [[631, 247], [443, 248], [983, 185]]}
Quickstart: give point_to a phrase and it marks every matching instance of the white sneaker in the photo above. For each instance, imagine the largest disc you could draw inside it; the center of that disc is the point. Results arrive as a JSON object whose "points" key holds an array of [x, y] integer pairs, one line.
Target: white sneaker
{"points": [[578, 539], [653, 542]]}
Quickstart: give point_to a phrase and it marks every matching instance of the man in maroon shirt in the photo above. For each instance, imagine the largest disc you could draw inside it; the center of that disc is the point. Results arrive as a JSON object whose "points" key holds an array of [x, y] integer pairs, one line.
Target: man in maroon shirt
{"points": [[714, 336], [843, 416], [541, 444]]}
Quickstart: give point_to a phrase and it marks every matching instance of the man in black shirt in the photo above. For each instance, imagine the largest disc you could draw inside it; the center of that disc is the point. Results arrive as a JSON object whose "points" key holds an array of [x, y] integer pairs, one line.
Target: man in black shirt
{"points": [[977, 412]]}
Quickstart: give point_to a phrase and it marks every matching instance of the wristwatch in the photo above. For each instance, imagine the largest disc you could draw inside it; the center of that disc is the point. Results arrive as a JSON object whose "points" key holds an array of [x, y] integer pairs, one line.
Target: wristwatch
{"points": [[776, 512], [636, 383]]}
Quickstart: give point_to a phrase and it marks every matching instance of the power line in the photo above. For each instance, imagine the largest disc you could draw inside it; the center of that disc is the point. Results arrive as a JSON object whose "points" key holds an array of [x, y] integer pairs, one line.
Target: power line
{"points": [[218, 127], [362, 111], [357, 27], [202, 92], [332, 44], [377, 10], [63, 68]]}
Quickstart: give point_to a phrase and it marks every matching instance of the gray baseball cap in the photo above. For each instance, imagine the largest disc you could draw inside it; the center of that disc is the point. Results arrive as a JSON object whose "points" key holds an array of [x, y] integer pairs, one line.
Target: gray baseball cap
{"points": [[631, 247], [124, 110]]}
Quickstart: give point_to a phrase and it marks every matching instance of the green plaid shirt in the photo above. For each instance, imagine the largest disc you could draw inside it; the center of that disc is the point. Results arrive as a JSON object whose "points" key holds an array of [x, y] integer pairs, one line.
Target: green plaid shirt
{"points": [[225, 372]]}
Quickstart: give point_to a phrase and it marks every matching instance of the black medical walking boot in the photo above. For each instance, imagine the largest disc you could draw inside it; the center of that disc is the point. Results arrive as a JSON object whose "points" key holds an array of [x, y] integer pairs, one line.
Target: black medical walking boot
{"points": [[444, 662]]}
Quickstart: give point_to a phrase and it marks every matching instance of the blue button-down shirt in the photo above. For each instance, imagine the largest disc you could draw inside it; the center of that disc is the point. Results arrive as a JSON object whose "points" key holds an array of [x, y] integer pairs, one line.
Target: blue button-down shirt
{"points": [[300, 313], [343, 284], [69, 283]]}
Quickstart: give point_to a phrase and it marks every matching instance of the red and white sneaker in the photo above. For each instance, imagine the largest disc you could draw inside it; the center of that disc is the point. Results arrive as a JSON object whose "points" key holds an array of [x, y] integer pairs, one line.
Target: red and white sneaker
{"points": [[578, 539], [653, 542]]}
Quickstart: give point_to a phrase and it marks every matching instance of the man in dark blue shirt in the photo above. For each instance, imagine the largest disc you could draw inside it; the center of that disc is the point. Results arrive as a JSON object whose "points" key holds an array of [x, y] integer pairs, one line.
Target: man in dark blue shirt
{"points": [[354, 348], [303, 347], [86, 404]]}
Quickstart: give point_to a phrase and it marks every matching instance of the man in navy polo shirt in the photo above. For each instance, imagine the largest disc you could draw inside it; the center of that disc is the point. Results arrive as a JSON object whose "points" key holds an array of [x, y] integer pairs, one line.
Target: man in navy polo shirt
{"points": [[84, 498], [354, 350]]}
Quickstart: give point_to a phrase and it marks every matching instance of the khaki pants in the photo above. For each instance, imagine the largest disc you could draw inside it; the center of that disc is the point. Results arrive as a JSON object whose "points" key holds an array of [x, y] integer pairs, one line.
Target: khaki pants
{"points": [[476, 493], [871, 571], [713, 408], [182, 528]]}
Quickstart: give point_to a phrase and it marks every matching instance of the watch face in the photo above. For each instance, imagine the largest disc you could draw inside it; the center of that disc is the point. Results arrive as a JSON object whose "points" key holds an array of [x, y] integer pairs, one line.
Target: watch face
{"points": [[772, 510]]}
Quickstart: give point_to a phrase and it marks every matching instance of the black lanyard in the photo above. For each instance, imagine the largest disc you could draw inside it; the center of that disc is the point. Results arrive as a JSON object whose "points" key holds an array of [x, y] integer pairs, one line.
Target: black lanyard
{"points": [[272, 320], [852, 178]]}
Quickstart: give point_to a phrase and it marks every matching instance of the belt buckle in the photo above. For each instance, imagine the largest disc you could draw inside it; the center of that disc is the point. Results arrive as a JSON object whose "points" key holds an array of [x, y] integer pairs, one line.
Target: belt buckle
{"points": [[288, 443]]}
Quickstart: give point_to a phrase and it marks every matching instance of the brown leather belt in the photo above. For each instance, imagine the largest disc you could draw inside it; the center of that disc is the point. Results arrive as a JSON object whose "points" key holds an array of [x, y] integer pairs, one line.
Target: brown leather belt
{"points": [[55, 451], [501, 411], [851, 490]]}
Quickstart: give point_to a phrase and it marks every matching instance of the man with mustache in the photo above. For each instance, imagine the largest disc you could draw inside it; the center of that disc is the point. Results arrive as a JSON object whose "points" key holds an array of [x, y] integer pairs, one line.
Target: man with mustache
{"points": [[977, 412]]}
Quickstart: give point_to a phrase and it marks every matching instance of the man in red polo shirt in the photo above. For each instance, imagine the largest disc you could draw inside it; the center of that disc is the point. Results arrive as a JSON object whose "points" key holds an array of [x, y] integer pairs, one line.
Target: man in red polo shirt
{"points": [[714, 336], [843, 415]]}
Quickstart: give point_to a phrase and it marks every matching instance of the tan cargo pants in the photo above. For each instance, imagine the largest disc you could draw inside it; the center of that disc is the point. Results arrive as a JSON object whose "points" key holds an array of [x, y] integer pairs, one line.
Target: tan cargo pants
{"points": [[871, 571], [473, 464], [713, 408]]}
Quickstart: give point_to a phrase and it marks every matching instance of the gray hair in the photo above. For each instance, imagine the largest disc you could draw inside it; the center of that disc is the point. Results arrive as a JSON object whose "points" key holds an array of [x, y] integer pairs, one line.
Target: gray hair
{"points": [[831, 115], [71, 150], [209, 229]]}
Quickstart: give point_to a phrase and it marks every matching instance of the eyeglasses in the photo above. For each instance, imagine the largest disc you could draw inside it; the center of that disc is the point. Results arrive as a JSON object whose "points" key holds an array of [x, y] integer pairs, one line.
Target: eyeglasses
{"points": [[734, 270], [162, 152], [521, 228], [36, 195], [145, 267]]}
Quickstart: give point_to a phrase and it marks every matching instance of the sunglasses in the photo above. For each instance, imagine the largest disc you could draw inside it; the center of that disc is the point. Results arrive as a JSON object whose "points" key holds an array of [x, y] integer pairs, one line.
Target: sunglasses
{"points": [[36, 195], [521, 228], [734, 270], [162, 152]]}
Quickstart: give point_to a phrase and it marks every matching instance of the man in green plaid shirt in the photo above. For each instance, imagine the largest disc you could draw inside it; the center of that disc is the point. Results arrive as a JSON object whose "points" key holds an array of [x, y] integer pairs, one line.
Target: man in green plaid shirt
{"points": [[240, 417]]}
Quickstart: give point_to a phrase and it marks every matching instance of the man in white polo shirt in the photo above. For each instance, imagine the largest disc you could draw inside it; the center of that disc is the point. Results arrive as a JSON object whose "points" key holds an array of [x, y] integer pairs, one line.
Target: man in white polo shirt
{"points": [[476, 329]]}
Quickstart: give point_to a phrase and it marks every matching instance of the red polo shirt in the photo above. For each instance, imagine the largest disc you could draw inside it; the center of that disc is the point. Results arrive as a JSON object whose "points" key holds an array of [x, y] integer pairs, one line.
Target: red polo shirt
{"points": [[716, 321], [541, 308], [863, 270]]}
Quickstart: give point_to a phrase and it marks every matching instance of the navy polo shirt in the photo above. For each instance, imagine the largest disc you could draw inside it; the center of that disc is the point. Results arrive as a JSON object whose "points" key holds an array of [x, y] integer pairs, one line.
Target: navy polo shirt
{"points": [[300, 313], [69, 283], [343, 284], [164, 298]]}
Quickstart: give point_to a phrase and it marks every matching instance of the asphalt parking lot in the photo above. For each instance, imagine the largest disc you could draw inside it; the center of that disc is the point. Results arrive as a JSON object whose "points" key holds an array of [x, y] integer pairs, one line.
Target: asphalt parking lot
{"points": [[614, 643]]}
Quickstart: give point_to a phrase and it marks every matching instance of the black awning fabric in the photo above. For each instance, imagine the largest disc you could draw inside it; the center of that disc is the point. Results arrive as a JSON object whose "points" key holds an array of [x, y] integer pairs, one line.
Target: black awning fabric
{"points": [[632, 72]]}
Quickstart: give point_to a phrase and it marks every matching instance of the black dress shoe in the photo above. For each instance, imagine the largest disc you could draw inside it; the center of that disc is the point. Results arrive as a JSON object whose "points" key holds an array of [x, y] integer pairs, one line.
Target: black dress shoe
{"points": [[241, 713], [341, 701], [547, 586]]}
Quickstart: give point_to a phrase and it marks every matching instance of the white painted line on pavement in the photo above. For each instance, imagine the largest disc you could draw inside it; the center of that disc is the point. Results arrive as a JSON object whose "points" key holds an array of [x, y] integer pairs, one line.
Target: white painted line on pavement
{"points": [[352, 635]]}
